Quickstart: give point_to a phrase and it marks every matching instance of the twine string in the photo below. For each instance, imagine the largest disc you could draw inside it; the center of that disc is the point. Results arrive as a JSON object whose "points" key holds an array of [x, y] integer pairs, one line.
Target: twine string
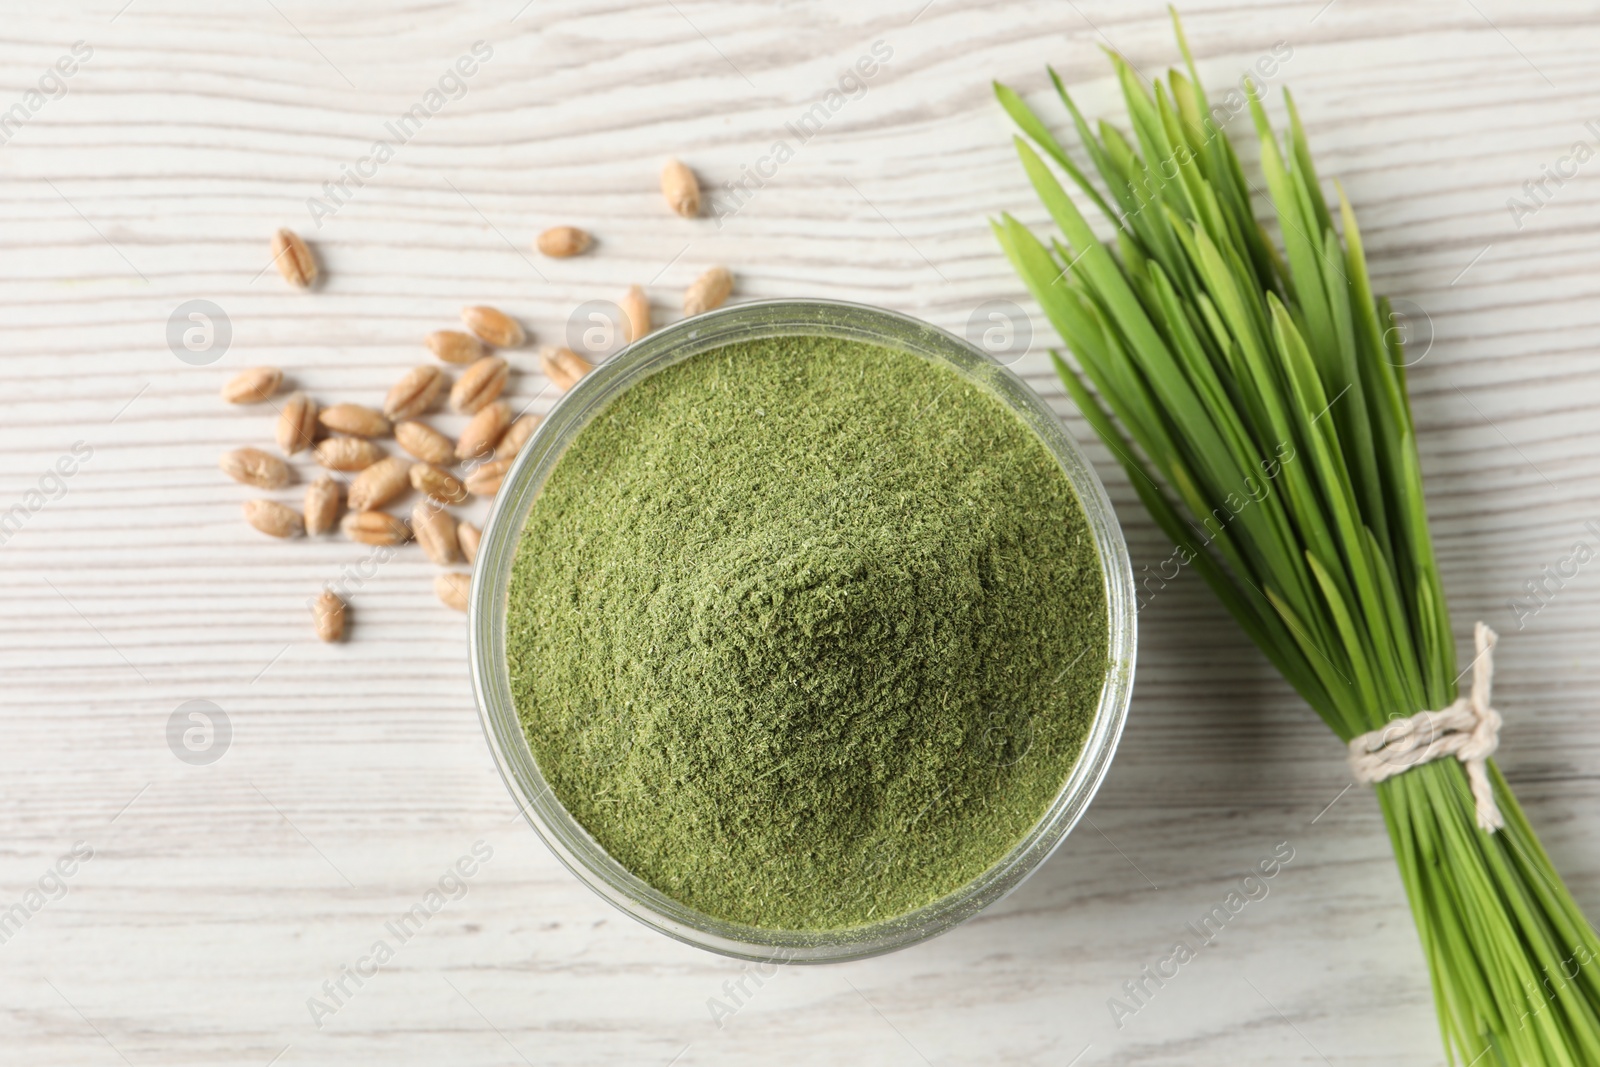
{"points": [[1469, 730]]}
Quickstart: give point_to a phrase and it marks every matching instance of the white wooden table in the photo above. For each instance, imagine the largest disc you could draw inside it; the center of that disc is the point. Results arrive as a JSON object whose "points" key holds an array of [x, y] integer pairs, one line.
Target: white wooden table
{"points": [[220, 897]]}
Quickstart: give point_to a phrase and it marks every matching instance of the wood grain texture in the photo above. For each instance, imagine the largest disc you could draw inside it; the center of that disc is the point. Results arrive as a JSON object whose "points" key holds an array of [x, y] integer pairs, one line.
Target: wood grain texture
{"points": [[223, 896]]}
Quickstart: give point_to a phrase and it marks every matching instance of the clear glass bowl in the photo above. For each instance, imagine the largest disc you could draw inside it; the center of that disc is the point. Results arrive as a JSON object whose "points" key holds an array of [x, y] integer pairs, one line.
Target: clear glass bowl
{"points": [[487, 613]]}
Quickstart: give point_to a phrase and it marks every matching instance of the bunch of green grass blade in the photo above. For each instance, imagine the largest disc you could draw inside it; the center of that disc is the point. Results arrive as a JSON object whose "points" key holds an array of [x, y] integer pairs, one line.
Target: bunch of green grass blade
{"points": [[1259, 407]]}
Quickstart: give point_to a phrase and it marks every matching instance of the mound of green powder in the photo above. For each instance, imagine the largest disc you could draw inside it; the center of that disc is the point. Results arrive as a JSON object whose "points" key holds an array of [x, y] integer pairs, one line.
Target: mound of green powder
{"points": [[806, 633]]}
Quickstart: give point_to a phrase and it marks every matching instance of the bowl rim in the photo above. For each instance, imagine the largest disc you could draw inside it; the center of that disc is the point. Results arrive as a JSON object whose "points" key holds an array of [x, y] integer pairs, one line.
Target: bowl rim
{"points": [[513, 756]]}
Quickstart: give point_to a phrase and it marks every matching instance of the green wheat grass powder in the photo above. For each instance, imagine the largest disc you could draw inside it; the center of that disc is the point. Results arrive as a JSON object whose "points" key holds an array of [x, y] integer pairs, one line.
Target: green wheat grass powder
{"points": [[806, 633]]}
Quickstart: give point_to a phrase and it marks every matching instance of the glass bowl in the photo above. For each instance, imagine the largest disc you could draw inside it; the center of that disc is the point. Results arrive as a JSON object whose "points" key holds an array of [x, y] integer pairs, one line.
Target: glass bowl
{"points": [[487, 613]]}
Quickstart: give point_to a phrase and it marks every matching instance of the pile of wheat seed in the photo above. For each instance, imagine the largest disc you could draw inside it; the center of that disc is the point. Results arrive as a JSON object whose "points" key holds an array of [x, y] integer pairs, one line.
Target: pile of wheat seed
{"points": [[344, 438]]}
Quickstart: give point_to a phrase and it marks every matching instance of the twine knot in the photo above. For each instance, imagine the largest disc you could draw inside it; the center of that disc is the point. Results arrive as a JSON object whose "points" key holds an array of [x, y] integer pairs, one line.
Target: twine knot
{"points": [[1469, 730]]}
